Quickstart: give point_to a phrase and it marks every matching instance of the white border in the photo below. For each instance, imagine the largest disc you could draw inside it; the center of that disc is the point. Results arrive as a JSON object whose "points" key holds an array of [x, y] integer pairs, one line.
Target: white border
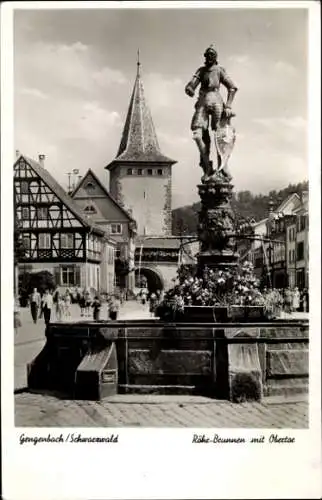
{"points": [[159, 463]]}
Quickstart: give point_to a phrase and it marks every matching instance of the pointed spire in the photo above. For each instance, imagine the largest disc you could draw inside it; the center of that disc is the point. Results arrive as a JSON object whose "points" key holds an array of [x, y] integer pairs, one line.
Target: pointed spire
{"points": [[139, 141], [138, 64]]}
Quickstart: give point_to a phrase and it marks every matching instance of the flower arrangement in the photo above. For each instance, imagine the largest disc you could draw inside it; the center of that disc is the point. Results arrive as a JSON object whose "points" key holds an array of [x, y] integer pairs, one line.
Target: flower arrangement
{"points": [[220, 287]]}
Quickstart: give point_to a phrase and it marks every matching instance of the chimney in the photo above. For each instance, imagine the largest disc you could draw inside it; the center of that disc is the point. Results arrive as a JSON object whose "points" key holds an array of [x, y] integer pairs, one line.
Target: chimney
{"points": [[17, 154], [41, 160]]}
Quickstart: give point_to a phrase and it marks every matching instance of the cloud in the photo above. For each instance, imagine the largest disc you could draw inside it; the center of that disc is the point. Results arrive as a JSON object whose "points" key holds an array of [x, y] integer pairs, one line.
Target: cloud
{"points": [[64, 66], [33, 92], [293, 122]]}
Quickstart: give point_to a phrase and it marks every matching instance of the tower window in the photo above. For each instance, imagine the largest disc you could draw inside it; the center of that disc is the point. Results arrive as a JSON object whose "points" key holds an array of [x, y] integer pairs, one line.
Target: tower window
{"points": [[160, 171], [149, 171], [129, 171], [139, 171]]}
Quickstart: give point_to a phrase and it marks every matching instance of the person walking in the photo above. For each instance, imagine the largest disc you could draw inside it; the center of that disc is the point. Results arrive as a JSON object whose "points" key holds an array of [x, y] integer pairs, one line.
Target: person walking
{"points": [[153, 304], [47, 305], [35, 303], [16, 316], [88, 301], [288, 298], [114, 307], [67, 304], [81, 302], [96, 305], [296, 299], [59, 305]]}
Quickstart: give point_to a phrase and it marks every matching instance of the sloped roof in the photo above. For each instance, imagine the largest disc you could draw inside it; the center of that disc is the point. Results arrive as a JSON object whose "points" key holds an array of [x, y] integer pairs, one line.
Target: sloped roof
{"points": [[139, 141], [59, 192], [103, 188]]}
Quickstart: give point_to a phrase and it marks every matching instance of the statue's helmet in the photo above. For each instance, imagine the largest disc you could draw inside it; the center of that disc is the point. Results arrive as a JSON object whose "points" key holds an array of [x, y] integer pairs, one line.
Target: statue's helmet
{"points": [[211, 49]]}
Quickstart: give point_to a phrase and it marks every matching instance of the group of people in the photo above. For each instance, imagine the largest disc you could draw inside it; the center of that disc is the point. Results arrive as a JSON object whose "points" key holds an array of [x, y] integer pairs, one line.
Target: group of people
{"points": [[60, 303], [153, 298], [288, 300]]}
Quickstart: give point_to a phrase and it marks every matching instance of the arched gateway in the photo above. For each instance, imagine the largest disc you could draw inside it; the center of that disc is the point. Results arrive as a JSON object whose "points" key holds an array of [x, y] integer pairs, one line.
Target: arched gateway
{"points": [[153, 276]]}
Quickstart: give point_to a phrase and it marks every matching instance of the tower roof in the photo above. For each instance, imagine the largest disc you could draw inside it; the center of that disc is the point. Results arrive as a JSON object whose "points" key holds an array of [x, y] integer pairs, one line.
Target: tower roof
{"points": [[139, 141]]}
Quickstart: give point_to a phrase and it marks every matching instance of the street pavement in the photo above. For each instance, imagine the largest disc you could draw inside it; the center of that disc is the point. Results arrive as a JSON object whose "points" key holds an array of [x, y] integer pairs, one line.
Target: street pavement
{"points": [[30, 337], [40, 410], [45, 410]]}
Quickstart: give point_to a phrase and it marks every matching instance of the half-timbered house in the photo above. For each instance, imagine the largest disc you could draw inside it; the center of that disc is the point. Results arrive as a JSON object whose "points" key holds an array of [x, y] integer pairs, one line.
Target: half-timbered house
{"points": [[56, 235]]}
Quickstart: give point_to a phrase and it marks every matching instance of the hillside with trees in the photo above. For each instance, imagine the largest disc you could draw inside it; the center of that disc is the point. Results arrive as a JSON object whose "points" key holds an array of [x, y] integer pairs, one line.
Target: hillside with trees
{"points": [[244, 203]]}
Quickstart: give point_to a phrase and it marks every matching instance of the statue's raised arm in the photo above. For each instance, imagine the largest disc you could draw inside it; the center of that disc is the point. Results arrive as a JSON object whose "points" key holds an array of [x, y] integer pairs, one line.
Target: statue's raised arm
{"points": [[211, 107]]}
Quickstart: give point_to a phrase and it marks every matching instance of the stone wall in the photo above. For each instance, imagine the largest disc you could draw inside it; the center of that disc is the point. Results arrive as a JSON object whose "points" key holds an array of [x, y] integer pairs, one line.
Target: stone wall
{"points": [[225, 361]]}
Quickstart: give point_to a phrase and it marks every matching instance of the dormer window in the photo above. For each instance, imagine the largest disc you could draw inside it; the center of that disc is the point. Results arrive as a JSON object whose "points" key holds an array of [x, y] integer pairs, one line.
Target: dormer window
{"points": [[89, 210]]}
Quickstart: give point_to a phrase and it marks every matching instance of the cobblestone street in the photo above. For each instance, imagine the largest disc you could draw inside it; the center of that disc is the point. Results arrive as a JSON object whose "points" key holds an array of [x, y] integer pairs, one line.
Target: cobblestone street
{"points": [[38, 410]]}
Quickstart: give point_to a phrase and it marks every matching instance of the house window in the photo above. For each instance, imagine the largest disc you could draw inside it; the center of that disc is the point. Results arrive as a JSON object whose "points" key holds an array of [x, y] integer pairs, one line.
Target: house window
{"points": [[300, 250], [67, 240], [139, 171], [118, 253], [149, 171], [44, 241], [42, 213], [129, 171], [25, 213], [26, 241], [302, 222], [160, 171], [90, 186], [70, 276], [24, 187], [116, 228]]}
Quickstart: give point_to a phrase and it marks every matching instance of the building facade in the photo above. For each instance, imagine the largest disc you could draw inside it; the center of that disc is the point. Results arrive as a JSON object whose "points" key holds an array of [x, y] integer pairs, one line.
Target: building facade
{"points": [[99, 207], [280, 252], [55, 234]]}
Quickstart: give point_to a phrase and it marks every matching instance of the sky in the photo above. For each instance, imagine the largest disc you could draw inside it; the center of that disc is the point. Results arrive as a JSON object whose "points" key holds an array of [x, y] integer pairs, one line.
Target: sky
{"points": [[74, 72]]}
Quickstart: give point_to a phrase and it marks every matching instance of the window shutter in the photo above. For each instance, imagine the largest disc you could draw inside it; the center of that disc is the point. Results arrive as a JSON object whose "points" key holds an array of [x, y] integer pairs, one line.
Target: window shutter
{"points": [[57, 276]]}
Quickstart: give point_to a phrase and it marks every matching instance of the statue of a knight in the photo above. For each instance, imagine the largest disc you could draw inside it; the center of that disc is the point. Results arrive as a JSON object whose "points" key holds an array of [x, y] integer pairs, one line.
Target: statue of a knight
{"points": [[210, 106]]}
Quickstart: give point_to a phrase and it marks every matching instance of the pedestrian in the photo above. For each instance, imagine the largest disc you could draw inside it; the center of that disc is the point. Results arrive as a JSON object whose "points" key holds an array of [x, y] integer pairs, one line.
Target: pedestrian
{"points": [[16, 316], [59, 305], [35, 302], [96, 305], [47, 304], [153, 303], [114, 307], [81, 302], [296, 299], [143, 294], [306, 300], [88, 301], [67, 303], [288, 300]]}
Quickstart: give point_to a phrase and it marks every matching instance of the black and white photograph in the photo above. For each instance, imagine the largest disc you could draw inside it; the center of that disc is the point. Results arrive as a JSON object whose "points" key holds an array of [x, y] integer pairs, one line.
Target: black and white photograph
{"points": [[161, 186]]}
